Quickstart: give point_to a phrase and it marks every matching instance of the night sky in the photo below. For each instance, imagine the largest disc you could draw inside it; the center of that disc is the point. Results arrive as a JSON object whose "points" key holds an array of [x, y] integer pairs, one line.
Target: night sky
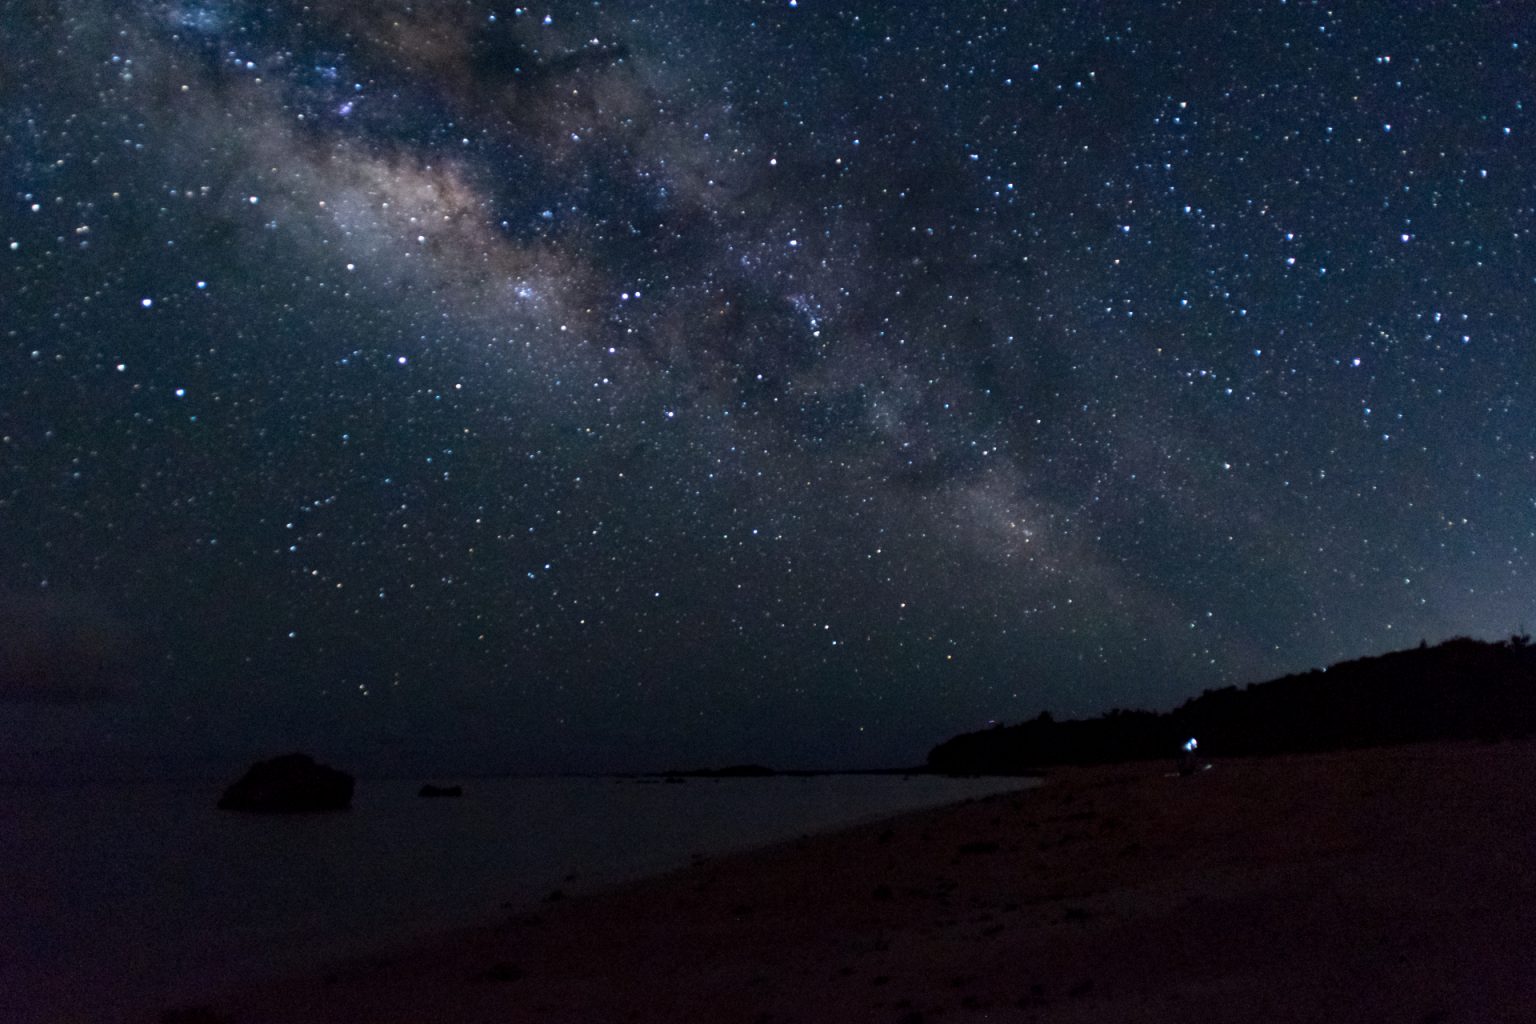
{"points": [[619, 385]]}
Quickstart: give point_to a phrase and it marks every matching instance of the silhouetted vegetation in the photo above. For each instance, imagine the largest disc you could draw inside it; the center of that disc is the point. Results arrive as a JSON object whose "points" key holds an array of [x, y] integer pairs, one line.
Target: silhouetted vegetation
{"points": [[1459, 689]]}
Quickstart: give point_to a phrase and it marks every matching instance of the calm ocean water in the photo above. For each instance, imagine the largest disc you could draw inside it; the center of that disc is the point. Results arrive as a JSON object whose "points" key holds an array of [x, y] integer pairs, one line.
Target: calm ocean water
{"points": [[119, 899]]}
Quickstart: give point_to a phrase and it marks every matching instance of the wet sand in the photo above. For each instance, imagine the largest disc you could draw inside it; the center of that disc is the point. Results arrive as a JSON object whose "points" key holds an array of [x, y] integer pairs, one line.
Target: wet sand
{"points": [[1385, 885]]}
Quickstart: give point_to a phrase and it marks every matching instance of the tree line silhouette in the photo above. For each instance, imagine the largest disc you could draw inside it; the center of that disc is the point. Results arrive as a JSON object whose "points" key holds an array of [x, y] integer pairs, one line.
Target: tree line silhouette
{"points": [[1459, 689]]}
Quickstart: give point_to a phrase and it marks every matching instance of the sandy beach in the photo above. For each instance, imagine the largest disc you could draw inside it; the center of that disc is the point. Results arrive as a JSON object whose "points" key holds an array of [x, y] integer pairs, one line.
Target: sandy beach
{"points": [[1383, 885]]}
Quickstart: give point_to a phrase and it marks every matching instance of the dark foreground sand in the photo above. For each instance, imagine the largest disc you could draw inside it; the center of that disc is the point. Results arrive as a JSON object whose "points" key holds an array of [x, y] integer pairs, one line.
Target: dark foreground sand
{"points": [[1386, 885]]}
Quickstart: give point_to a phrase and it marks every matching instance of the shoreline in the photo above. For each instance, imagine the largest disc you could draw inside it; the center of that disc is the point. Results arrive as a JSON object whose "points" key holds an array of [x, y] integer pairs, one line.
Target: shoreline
{"points": [[1384, 884], [378, 954]]}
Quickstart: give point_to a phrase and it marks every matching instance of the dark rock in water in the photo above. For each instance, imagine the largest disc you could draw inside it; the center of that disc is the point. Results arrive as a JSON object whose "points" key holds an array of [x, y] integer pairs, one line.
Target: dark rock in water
{"points": [[431, 790], [290, 784]]}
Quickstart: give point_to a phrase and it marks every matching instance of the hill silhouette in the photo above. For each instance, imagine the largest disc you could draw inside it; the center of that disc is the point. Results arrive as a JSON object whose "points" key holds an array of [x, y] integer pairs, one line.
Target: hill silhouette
{"points": [[1459, 689]]}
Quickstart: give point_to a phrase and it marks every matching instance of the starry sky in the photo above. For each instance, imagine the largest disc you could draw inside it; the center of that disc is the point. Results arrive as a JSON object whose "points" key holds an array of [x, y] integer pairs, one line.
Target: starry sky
{"points": [[615, 385]]}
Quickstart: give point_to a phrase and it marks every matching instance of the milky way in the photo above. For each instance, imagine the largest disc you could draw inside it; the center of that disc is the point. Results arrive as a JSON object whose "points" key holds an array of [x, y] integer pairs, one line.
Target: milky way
{"points": [[616, 384]]}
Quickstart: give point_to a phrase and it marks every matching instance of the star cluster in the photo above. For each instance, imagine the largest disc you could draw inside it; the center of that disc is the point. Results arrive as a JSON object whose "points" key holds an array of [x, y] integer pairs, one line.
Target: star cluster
{"points": [[602, 384]]}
